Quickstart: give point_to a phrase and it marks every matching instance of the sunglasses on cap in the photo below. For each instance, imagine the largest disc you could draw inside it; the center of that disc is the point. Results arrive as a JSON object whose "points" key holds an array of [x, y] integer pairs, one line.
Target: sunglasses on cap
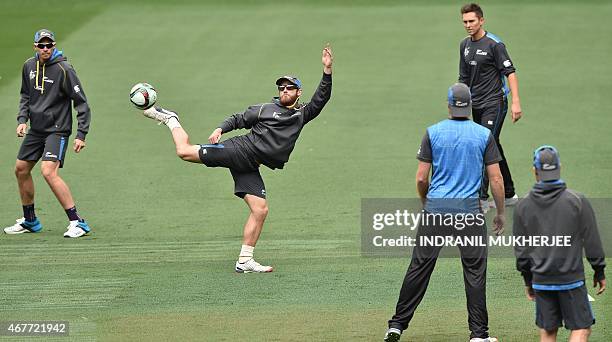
{"points": [[45, 45], [288, 87]]}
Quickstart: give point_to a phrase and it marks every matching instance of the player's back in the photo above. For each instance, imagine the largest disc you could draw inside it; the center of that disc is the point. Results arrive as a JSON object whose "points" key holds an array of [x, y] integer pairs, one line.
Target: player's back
{"points": [[458, 148]]}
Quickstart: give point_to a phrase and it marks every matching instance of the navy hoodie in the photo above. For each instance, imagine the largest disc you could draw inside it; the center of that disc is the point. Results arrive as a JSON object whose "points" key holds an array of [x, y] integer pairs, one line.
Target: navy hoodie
{"points": [[47, 92], [551, 209]]}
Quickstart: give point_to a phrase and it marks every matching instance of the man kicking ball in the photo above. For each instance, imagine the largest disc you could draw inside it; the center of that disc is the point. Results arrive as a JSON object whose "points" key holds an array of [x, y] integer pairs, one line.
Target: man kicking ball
{"points": [[274, 126]]}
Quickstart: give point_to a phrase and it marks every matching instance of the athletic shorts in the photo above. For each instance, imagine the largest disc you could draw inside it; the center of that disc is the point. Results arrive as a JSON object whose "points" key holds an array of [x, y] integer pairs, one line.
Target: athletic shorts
{"points": [[571, 307], [241, 163], [50, 147]]}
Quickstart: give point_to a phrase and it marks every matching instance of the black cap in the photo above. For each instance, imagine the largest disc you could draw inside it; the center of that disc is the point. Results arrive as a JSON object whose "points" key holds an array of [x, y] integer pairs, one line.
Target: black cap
{"points": [[547, 163], [460, 100], [43, 33], [291, 79]]}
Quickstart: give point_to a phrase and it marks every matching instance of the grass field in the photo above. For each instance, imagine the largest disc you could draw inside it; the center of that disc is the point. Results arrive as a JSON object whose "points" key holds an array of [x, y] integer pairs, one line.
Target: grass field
{"points": [[159, 263]]}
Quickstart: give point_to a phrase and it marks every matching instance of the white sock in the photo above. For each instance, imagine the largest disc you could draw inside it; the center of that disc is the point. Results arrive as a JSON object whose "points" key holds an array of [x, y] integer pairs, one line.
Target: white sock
{"points": [[173, 123], [246, 253]]}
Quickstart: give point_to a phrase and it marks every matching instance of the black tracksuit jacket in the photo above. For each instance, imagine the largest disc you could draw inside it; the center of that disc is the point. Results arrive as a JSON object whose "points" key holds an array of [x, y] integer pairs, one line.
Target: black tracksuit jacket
{"points": [[47, 92], [275, 128]]}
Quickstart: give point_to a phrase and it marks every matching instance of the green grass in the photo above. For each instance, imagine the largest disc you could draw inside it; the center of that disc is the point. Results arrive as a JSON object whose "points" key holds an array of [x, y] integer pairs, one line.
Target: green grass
{"points": [[166, 234]]}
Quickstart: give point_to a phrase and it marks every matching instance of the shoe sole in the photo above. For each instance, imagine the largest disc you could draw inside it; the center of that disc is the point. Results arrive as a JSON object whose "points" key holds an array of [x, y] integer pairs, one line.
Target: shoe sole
{"points": [[511, 203], [393, 337], [22, 232], [78, 236], [247, 271], [74, 237], [508, 203], [19, 232]]}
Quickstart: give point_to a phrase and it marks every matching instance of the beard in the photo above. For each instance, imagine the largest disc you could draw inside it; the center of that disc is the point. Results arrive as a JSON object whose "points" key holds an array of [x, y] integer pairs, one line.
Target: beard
{"points": [[287, 100]]}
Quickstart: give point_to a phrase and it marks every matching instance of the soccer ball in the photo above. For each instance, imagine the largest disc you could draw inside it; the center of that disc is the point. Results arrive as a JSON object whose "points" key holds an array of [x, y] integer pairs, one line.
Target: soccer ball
{"points": [[143, 95]]}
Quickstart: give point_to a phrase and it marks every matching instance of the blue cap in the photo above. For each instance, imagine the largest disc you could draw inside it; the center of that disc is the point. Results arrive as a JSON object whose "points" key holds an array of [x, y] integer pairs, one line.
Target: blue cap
{"points": [[291, 79], [547, 163], [43, 33]]}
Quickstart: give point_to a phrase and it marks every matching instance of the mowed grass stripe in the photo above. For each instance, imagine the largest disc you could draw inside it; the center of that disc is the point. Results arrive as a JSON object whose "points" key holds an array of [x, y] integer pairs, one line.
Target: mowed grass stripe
{"points": [[61, 294], [137, 259], [180, 243], [157, 252]]}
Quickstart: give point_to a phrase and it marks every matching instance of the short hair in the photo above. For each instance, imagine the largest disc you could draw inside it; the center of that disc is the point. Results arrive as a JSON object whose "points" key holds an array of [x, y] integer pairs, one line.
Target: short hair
{"points": [[472, 7]]}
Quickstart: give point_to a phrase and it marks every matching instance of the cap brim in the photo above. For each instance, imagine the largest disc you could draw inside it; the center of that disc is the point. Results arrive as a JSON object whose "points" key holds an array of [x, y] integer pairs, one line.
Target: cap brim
{"points": [[41, 38], [550, 175], [280, 81], [461, 112]]}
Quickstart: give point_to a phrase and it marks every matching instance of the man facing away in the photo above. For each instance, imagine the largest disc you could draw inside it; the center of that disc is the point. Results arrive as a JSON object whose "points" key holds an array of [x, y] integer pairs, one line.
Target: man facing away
{"points": [[484, 62], [274, 130], [49, 86], [458, 149], [554, 275]]}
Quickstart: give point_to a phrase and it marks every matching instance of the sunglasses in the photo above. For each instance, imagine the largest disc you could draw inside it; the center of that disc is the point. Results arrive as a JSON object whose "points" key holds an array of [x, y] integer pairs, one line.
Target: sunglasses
{"points": [[288, 87], [45, 46]]}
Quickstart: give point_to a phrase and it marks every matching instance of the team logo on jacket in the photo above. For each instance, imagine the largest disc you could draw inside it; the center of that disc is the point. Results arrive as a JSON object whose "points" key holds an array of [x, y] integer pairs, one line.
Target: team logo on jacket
{"points": [[507, 63], [466, 51], [77, 89], [276, 115], [32, 74], [480, 52]]}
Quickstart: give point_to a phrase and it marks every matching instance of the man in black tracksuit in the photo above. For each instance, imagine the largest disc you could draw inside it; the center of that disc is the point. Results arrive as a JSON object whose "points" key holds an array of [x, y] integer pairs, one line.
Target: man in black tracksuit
{"points": [[49, 87], [275, 128], [554, 275], [483, 64]]}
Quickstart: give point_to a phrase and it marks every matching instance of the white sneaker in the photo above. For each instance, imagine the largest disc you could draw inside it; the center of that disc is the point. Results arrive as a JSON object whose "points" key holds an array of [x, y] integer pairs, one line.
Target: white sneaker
{"points": [[512, 201], [252, 266], [77, 229], [484, 206], [160, 114], [488, 339], [22, 226], [393, 335]]}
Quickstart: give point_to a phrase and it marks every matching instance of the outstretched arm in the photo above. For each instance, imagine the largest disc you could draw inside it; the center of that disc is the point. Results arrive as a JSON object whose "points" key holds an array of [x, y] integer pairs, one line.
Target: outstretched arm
{"points": [[327, 59], [323, 92], [237, 121]]}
